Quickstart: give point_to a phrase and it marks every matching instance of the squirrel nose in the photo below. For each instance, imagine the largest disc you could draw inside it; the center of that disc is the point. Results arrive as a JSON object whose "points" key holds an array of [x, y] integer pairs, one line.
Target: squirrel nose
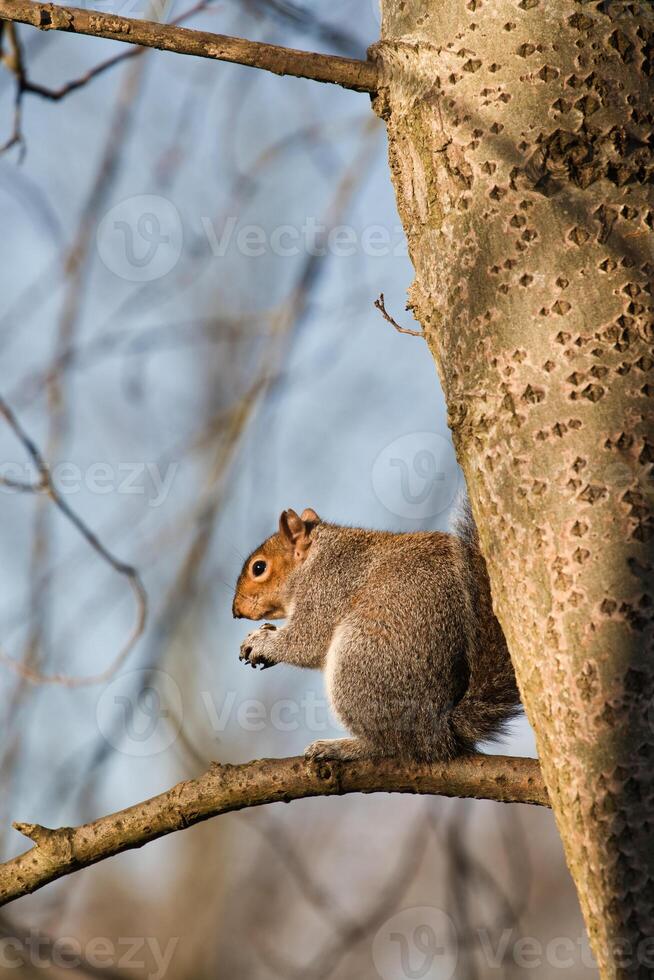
{"points": [[235, 613]]}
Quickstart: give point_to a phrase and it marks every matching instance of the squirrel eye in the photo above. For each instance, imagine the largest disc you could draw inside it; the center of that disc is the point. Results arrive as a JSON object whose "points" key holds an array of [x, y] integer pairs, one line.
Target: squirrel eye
{"points": [[259, 568]]}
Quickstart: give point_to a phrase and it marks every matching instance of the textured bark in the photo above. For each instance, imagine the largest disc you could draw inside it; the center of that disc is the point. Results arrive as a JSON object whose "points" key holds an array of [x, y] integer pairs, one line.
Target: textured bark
{"points": [[521, 140], [225, 788]]}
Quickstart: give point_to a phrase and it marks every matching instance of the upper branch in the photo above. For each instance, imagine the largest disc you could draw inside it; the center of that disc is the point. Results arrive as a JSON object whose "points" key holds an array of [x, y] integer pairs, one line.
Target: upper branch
{"points": [[361, 76], [224, 788]]}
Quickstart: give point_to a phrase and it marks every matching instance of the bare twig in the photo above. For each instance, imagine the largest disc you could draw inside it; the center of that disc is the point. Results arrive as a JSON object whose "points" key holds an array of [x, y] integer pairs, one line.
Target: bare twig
{"points": [[225, 788], [280, 842], [390, 894], [360, 76], [76, 269], [56, 94], [379, 303], [335, 950], [307, 23], [13, 62], [44, 484]]}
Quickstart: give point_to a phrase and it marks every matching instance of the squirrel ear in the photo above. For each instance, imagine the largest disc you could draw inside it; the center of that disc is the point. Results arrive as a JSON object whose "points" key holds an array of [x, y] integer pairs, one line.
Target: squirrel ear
{"points": [[290, 526], [309, 516], [296, 531]]}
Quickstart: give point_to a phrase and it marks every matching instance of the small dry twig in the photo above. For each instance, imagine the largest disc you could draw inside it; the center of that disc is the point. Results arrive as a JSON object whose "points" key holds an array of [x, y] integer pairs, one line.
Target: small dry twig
{"points": [[379, 303], [334, 951], [45, 484], [12, 59], [55, 94]]}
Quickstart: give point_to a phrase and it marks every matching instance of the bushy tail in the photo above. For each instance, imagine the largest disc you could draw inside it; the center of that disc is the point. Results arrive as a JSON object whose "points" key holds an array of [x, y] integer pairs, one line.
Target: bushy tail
{"points": [[492, 698]]}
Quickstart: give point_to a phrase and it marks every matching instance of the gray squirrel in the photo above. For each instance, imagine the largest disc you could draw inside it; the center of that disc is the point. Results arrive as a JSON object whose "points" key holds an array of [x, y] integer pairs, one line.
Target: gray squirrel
{"points": [[415, 662]]}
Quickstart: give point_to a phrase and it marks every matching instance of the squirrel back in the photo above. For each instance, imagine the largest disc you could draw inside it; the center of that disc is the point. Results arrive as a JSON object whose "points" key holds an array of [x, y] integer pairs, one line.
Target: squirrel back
{"points": [[402, 624]]}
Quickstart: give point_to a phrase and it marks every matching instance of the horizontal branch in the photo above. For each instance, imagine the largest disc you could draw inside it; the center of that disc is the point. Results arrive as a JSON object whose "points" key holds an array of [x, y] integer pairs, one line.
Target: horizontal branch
{"points": [[361, 76], [224, 788]]}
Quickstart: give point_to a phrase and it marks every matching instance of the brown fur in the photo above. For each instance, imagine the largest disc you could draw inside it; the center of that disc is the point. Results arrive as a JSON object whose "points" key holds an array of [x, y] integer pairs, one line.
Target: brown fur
{"points": [[415, 661]]}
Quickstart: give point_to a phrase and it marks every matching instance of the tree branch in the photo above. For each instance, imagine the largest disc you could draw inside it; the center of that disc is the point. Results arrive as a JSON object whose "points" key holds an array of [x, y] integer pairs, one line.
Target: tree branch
{"points": [[45, 484], [56, 94], [361, 76], [224, 788]]}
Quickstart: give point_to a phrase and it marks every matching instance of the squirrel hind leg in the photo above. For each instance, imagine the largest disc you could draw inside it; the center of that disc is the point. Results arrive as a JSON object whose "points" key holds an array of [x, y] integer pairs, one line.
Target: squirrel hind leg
{"points": [[339, 749], [433, 739]]}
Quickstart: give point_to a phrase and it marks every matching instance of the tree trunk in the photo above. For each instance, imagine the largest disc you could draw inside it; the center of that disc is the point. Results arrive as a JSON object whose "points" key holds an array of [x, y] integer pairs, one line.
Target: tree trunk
{"points": [[522, 151]]}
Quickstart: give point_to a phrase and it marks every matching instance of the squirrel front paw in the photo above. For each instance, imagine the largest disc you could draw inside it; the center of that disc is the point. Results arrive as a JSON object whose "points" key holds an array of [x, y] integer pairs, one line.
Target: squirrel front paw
{"points": [[256, 648]]}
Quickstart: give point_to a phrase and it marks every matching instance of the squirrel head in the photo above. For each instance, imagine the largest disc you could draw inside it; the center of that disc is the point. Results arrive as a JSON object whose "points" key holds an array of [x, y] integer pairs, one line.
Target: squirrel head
{"points": [[261, 586]]}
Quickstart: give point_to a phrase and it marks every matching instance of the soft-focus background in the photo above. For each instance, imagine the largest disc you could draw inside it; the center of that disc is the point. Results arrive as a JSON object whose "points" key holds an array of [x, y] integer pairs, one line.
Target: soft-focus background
{"points": [[189, 259]]}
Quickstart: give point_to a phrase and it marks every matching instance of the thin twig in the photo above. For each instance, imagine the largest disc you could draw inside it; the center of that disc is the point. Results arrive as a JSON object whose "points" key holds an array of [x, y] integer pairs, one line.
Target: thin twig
{"points": [[327, 960], [45, 484], [360, 76], [13, 62], [76, 268], [379, 303], [55, 94]]}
